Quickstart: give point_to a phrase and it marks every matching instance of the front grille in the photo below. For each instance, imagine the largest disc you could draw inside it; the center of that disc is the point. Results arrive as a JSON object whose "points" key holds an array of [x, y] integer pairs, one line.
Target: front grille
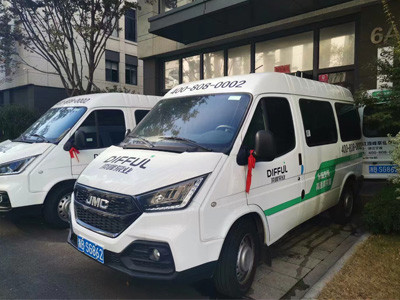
{"points": [[120, 212]]}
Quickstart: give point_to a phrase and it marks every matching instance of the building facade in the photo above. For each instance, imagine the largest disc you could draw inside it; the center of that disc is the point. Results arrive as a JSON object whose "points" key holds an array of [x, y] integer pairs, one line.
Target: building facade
{"points": [[119, 67], [334, 41]]}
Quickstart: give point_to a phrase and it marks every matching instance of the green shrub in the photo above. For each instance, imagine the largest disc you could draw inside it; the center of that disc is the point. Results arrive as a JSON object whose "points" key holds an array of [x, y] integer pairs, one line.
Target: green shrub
{"points": [[14, 120], [382, 213]]}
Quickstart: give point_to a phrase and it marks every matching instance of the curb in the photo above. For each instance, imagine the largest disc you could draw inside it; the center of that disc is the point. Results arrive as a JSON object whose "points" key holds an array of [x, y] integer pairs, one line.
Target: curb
{"points": [[316, 289]]}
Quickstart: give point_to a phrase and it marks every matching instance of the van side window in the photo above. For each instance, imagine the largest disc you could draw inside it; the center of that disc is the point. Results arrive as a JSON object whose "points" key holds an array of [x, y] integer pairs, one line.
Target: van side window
{"points": [[319, 122], [140, 114], [273, 114], [102, 128], [349, 122]]}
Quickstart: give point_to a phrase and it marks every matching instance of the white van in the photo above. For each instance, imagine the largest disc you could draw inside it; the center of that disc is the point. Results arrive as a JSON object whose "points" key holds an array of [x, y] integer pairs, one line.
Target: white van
{"points": [[171, 200], [42, 165], [378, 161]]}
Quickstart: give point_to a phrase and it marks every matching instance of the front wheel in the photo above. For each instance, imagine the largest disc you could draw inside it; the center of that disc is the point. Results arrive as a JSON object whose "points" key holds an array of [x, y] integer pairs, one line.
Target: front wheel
{"points": [[238, 260], [56, 207]]}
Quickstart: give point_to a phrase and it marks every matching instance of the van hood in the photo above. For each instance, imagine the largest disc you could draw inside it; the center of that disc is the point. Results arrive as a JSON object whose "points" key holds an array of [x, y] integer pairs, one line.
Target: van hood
{"points": [[135, 171], [11, 151]]}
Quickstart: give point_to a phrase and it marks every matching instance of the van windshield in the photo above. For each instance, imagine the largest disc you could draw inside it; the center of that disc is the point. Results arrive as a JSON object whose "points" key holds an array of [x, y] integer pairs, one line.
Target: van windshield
{"points": [[53, 125], [379, 120], [195, 123]]}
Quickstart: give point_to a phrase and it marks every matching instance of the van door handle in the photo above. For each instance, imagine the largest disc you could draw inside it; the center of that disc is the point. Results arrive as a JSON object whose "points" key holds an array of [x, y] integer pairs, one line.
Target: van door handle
{"points": [[300, 160], [303, 194]]}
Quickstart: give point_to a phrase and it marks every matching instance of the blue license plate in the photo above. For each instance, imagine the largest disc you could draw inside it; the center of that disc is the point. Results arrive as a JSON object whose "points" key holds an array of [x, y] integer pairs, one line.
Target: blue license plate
{"points": [[382, 169], [91, 249]]}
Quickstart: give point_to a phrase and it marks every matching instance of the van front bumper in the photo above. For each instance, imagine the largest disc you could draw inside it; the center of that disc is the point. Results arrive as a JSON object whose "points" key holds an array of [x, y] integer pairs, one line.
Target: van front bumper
{"points": [[16, 193], [175, 232], [135, 262]]}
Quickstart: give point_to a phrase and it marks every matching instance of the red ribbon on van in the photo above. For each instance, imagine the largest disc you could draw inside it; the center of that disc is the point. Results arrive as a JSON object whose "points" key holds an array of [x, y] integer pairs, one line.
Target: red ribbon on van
{"points": [[73, 152], [251, 163]]}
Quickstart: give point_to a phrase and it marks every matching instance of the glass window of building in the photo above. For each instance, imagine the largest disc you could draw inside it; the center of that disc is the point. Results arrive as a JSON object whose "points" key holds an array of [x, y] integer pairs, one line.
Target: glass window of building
{"points": [[171, 4], [239, 60], [131, 74], [191, 68], [171, 75], [130, 25], [112, 71], [213, 64], [288, 54], [336, 46]]}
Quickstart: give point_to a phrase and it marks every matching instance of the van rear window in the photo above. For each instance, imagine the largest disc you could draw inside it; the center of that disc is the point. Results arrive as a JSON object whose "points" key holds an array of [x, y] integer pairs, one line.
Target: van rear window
{"points": [[319, 122], [349, 122]]}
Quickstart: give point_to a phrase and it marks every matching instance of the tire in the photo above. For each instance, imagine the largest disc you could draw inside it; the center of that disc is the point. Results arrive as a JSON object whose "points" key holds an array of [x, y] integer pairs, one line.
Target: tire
{"points": [[341, 213], [233, 276], [56, 206]]}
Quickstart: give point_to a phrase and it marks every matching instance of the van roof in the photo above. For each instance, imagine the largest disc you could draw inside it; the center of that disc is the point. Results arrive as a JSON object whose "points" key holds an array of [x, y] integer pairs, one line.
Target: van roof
{"points": [[260, 83], [110, 99]]}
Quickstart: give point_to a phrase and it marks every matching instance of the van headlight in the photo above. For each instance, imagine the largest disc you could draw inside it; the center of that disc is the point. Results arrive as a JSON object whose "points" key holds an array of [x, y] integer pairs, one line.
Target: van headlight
{"points": [[176, 196], [16, 166]]}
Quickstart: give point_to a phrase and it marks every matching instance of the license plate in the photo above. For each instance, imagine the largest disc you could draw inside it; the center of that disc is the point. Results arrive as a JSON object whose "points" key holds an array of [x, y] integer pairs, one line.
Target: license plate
{"points": [[91, 249], [382, 169]]}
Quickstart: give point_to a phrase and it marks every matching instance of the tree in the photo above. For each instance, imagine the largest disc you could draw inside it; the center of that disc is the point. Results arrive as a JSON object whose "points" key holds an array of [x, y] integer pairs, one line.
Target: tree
{"points": [[68, 34]]}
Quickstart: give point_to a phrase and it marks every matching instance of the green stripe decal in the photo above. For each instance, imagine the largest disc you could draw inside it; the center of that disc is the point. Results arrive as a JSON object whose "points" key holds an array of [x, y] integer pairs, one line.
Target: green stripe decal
{"points": [[322, 182]]}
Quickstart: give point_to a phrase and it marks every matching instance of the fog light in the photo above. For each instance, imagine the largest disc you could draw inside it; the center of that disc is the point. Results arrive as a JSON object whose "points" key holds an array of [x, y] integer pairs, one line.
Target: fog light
{"points": [[155, 255], [5, 204]]}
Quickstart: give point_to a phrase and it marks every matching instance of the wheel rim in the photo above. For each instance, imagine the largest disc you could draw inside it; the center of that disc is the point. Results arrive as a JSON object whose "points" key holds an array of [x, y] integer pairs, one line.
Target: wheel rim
{"points": [[245, 259], [63, 207], [348, 205]]}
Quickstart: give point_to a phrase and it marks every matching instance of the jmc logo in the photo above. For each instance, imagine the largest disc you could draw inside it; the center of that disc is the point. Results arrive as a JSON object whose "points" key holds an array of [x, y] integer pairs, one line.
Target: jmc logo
{"points": [[97, 202]]}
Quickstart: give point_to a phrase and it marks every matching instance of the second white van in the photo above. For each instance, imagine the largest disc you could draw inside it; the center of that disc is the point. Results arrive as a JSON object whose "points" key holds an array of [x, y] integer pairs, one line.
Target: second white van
{"points": [[41, 166], [378, 161], [218, 171]]}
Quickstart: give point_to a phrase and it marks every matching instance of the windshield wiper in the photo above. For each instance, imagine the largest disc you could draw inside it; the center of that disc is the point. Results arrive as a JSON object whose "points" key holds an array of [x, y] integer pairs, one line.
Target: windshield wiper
{"points": [[41, 137], [22, 139], [149, 144], [177, 138]]}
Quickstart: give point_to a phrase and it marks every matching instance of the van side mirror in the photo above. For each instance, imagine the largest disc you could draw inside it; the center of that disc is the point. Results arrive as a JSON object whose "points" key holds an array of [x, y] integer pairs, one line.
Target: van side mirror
{"points": [[265, 146], [80, 139], [68, 145]]}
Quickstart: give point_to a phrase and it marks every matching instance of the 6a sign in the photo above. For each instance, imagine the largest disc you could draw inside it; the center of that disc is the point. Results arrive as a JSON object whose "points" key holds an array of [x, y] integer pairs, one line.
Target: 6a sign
{"points": [[378, 35]]}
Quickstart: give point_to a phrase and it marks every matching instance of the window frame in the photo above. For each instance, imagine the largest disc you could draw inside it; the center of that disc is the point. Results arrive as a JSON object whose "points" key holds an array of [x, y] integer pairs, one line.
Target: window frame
{"points": [[129, 67], [312, 74], [131, 15], [96, 125], [260, 104], [304, 125], [339, 124], [117, 64]]}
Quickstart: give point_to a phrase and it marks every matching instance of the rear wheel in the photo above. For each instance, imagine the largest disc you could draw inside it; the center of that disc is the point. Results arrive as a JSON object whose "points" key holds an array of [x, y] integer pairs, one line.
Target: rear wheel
{"points": [[238, 260], [342, 212], [56, 207]]}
